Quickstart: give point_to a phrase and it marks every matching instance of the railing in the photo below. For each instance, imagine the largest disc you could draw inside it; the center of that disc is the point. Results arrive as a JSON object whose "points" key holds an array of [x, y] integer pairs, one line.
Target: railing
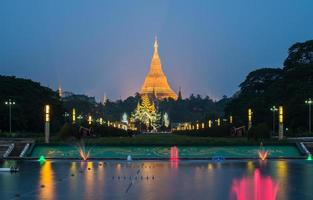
{"points": [[24, 150], [304, 148], [10, 149]]}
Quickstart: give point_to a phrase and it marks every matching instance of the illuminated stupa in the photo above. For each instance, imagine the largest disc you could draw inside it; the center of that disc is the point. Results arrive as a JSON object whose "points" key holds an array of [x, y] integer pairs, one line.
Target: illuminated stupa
{"points": [[156, 81]]}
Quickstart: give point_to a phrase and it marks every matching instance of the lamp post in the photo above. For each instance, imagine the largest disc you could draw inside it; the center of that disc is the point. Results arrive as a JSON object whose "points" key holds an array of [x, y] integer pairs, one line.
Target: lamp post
{"points": [[10, 103], [309, 102], [280, 122], [274, 109], [249, 118], [73, 116], [47, 123]]}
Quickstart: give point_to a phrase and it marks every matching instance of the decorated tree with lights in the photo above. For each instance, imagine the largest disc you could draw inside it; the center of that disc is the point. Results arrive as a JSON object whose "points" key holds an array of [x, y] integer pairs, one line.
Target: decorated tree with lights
{"points": [[146, 114]]}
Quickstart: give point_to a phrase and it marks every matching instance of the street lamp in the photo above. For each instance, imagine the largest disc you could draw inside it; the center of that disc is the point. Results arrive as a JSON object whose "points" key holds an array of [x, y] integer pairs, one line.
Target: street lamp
{"points": [[66, 115], [47, 123], [274, 109], [309, 102], [10, 103], [79, 117]]}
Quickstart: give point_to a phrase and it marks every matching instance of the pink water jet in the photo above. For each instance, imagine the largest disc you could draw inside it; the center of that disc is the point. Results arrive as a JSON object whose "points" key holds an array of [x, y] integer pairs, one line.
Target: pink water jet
{"points": [[174, 157], [256, 188]]}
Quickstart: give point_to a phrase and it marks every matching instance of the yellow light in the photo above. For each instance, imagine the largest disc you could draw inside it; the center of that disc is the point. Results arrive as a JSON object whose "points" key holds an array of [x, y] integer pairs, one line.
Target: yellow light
{"points": [[74, 115], [47, 113], [218, 122], [210, 123], [202, 125], [249, 115], [197, 126], [231, 119], [281, 114], [101, 121], [89, 119]]}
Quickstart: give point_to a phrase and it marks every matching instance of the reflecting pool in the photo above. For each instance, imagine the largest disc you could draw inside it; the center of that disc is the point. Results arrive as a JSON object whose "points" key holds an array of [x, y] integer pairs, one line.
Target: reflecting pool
{"points": [[172, 179]]}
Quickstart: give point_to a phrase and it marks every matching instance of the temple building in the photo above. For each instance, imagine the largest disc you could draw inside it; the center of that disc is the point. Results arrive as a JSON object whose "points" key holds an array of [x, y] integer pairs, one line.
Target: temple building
{"points": [[156, 82]]}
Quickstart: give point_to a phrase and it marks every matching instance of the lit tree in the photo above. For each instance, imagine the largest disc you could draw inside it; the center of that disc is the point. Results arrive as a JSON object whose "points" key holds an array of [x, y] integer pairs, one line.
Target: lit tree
{"points": [[146, 113]]}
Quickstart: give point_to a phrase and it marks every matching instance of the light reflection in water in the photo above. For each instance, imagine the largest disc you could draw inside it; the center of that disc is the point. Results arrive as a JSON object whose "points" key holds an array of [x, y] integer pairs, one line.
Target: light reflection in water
{"points": [[89, 181], [47, 181], [174, 157], [256, 188]]}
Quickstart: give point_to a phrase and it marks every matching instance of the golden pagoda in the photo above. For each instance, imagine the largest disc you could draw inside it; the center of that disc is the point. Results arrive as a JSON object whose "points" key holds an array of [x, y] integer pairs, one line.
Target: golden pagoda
{"points": [[156, 81]]}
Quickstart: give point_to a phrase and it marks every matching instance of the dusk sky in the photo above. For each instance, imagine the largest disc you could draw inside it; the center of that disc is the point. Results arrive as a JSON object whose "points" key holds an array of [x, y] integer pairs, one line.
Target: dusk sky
{"points": [[96, 47]]}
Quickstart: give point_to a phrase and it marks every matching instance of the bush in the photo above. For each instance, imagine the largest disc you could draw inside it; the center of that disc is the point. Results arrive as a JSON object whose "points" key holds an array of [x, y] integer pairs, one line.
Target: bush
{"points": [[66, 131], [260, 131]]}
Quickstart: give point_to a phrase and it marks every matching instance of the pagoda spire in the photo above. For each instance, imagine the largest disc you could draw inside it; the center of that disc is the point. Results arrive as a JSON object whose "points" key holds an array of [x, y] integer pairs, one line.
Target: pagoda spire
{"points": [[156, 81], [156, 45]]}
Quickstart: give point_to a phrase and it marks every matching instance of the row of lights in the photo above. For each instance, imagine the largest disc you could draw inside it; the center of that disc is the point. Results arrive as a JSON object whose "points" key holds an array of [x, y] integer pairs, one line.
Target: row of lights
{"points": [[197, 126]]}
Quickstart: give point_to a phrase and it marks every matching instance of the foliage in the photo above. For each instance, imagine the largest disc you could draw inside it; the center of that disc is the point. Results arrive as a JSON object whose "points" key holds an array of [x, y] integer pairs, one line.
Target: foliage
{"points": [[67, 131], [259, 132], [288, 87], [30, 98]]}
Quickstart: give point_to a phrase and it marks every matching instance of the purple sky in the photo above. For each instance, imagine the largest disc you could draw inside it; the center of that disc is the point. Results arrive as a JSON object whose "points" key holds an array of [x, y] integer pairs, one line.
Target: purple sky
{"points": [[97, 47]]}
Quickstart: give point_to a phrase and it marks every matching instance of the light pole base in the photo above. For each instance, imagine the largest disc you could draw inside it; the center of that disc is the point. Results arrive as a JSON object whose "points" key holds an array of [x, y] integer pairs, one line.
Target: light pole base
{"points": [[47, 132]]}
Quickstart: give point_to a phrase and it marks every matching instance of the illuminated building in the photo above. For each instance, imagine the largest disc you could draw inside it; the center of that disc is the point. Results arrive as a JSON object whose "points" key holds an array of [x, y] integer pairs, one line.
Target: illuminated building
{"points": [[156, 82]]}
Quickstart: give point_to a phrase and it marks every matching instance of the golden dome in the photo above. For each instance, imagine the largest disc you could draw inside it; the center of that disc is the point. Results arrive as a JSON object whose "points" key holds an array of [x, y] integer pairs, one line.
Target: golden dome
{"points": [[156, 82]]}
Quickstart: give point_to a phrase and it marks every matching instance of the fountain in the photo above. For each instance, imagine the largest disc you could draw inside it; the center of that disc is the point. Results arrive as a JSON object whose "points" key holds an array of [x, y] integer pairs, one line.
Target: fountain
{"points": [[42, 159], [129, 158], [83, 152], [257, 187], [262, 153], [174, 157]]}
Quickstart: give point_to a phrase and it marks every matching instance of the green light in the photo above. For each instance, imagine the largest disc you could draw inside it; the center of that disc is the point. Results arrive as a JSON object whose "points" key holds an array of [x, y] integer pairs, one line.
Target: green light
{"points": [[309, 157], [42, 159]]}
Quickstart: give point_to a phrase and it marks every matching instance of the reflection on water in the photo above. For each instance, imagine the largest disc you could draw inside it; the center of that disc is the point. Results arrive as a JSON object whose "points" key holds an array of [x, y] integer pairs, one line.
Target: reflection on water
{"points": [[46, 181], [174, 157], [257, 187]]}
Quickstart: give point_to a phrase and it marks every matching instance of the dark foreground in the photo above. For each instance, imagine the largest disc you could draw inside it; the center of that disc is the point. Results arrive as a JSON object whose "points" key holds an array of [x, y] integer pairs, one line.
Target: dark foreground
{"points": [[246, 179]]}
